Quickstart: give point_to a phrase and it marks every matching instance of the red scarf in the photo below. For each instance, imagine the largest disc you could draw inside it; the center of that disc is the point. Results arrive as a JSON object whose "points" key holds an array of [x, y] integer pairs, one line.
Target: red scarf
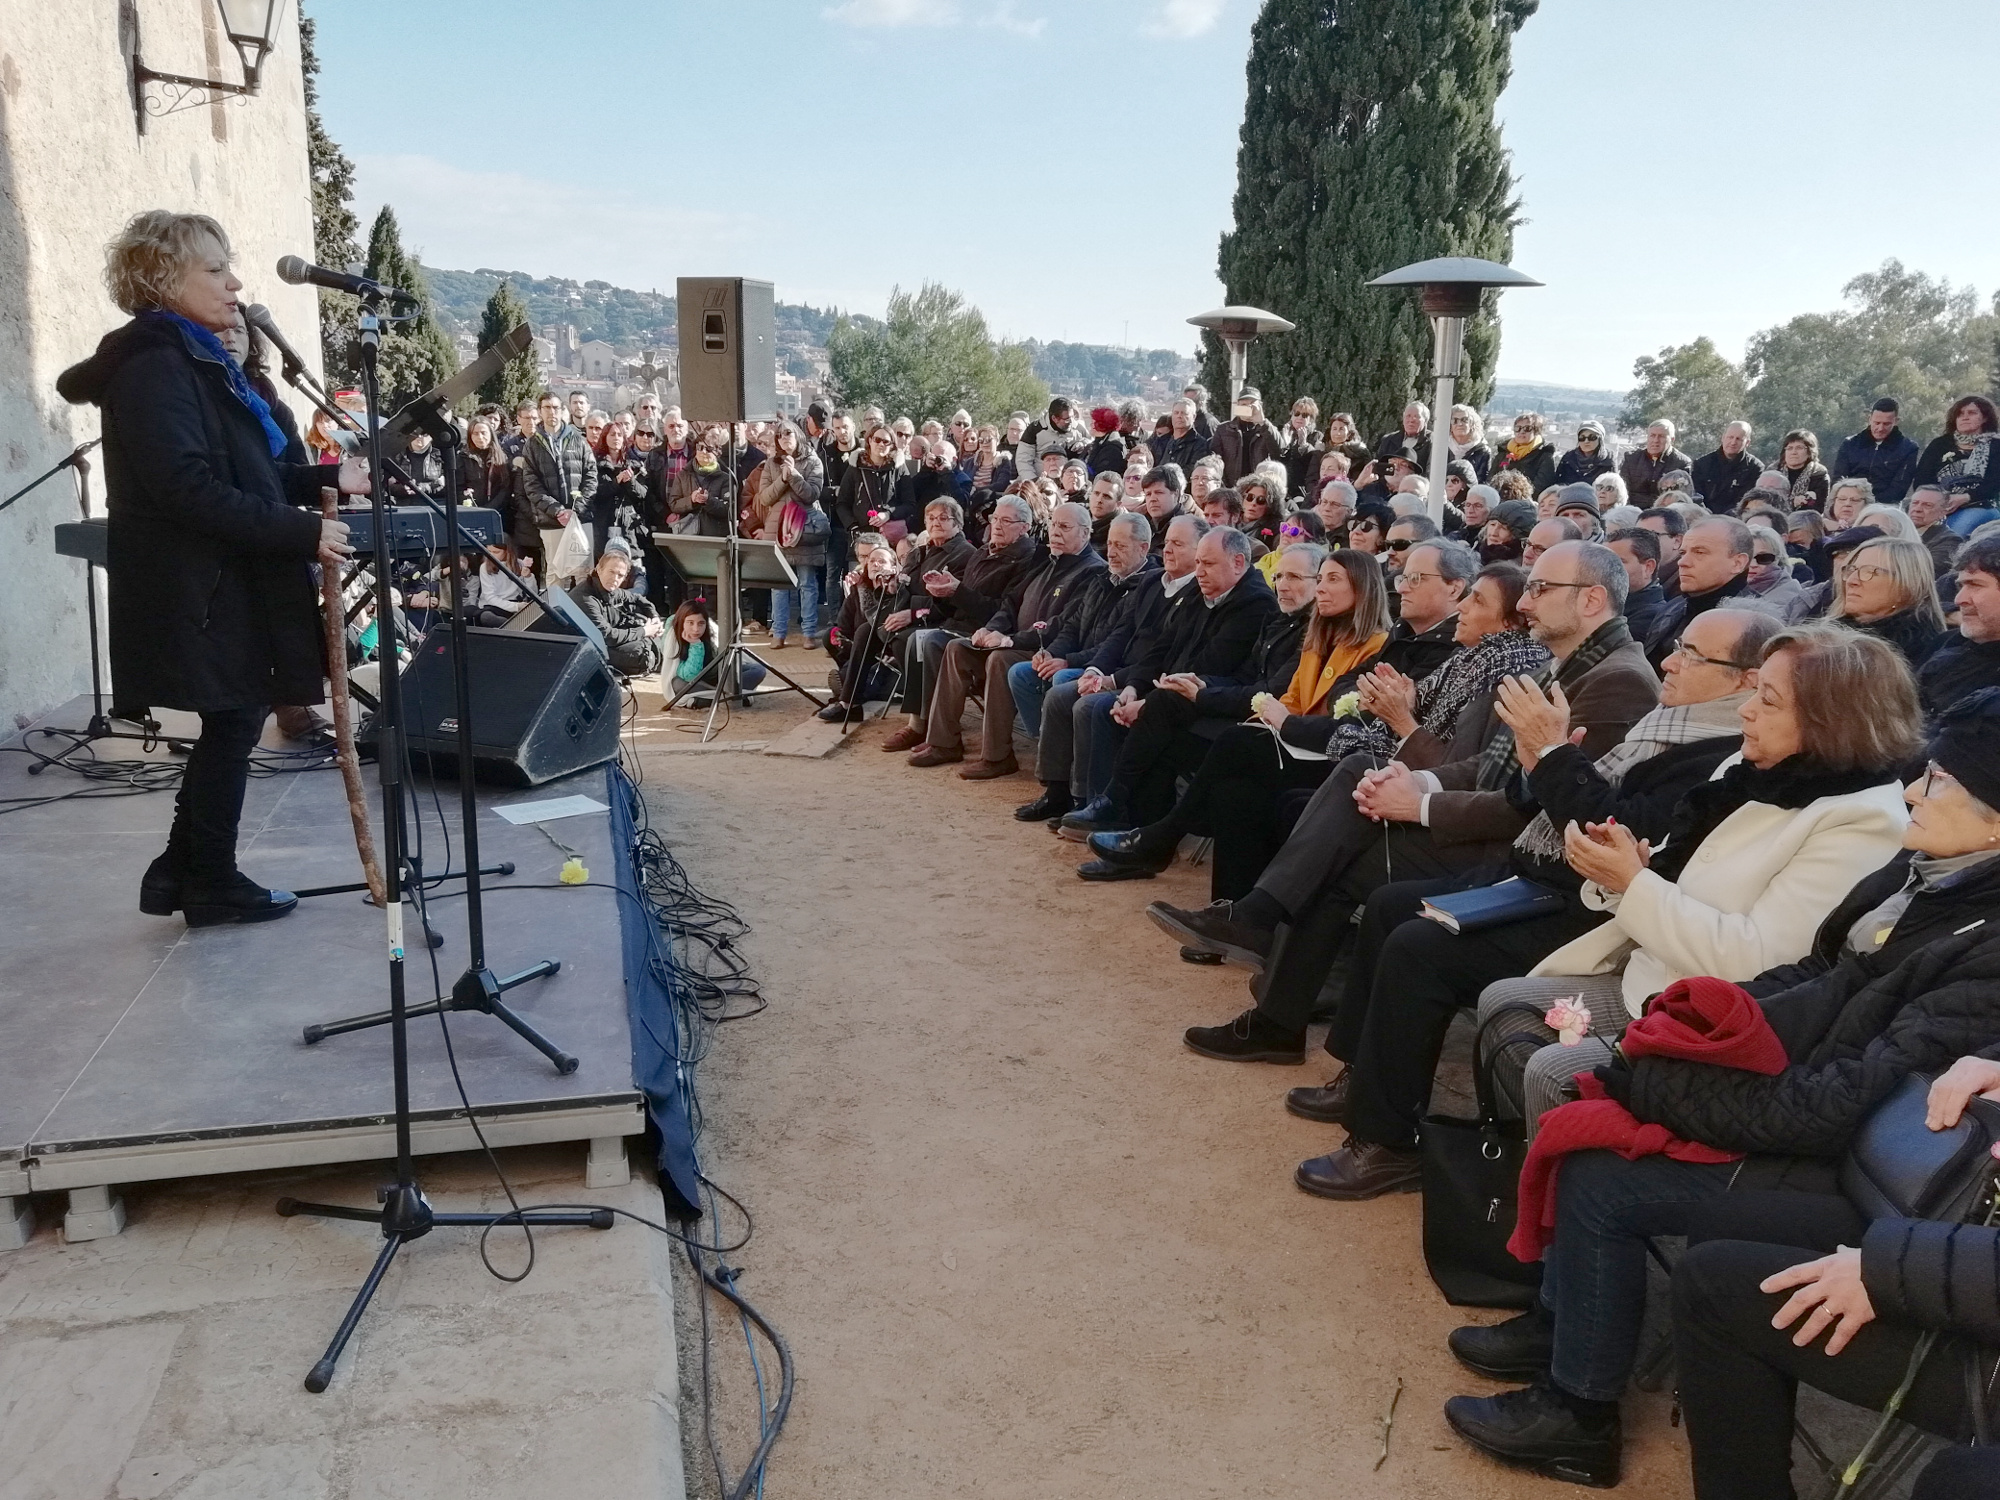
{"points": [[1696, 1020]]}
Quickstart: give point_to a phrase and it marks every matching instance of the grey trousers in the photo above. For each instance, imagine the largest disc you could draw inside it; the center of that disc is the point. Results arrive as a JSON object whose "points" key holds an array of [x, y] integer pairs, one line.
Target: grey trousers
{"points": [[1074, 746], [1331, 832], [1528, 1085], [923, 653]]}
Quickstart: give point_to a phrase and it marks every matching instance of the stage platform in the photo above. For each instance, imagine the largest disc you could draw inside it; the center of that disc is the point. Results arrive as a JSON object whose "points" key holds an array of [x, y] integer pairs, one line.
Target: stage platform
{"points": [[133, 1048]]}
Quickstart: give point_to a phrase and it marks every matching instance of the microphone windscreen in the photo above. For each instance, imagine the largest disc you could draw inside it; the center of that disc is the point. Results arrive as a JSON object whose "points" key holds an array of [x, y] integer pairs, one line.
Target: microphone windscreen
{"points": [[292, 269]]}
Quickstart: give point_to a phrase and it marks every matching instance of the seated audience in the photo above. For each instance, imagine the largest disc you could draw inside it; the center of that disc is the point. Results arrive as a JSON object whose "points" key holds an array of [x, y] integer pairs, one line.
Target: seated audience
{"points": [[1646, 611], [1969, 660], [1528, 453], [1643, 467], [862, 652], [631, 626], [1771, 581], [1590, 457], [691, 646], [1887, 589]]}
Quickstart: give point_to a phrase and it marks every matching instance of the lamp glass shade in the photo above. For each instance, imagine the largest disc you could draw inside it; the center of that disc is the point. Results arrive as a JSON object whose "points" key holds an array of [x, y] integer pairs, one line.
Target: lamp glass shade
{"points": [[252, 25]]}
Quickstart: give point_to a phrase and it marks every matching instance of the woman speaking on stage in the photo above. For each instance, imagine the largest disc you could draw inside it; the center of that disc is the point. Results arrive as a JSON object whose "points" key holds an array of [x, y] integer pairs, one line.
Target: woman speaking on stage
{"points": [[213, 608]]}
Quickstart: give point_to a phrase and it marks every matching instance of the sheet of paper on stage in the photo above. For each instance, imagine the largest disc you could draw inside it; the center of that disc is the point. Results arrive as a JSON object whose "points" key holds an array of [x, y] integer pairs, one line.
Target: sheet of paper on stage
{"points": [[552, 807]]}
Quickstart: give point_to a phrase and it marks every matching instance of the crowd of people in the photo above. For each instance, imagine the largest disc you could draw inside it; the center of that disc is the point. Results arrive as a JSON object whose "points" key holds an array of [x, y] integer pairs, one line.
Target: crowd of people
{"points": [[1698, 731]]}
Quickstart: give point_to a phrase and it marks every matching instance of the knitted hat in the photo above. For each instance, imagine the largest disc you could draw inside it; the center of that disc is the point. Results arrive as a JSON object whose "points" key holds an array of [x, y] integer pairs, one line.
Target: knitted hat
{"points": [[1577, 497], [1963, 743]]}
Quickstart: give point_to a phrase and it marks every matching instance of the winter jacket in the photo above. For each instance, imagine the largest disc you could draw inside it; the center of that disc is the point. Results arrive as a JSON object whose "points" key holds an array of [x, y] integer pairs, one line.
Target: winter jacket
{"points": [[1134, 651], [1641, 473], [1751, 896], [1537, 465], [1211, 641], [1783, 597], [1722, 481], [1934, 1274], [1808, 487], [716, 490], [1909, 632], [1095, 609], [1269, 668], [1888, 466], [1943, 543], [1392, 444], [1976, 473], [1041, 597], [426, 471], [1106, 452], [954, 557], [1042, 436], [483, 482], [1955, 668], [1852, 1036], [1303, 451], [212, 599], [613, 498], [916, 490], [965, 478], [985, 584], [621, 615], [1243, 445], [1186, 450], [866, 488], [1647, 612], [557, 473], [1578, 467]]}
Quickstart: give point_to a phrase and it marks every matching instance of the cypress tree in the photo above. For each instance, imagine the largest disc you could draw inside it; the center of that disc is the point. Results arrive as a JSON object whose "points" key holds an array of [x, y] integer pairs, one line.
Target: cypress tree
{"points": [[517, 380], [1368, 142], [334, 223], [415, 355]]}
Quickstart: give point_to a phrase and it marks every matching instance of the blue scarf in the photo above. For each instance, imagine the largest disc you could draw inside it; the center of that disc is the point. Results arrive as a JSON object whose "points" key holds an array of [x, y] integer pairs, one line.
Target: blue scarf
{"points": [[239, 385]]}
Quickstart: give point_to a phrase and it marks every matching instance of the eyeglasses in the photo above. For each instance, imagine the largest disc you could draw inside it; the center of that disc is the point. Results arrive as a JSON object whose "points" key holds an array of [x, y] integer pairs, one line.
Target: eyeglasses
{"points": [[1938, 779], [1408, 580], [1764, 557], [1536, 587], [1863, 572], [1688, 653], [1401, 544], [1291, 530]]}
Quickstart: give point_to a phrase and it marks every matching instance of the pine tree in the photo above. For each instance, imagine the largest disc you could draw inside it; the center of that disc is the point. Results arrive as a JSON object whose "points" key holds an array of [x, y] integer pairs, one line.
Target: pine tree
{"points": [[415, 355], [334, 223], [1368, 142], [517, 380]]}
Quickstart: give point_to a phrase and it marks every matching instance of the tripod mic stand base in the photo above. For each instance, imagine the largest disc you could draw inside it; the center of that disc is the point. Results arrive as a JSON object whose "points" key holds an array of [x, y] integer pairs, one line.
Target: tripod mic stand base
{"points": [[406, 1215], [477, 990]]}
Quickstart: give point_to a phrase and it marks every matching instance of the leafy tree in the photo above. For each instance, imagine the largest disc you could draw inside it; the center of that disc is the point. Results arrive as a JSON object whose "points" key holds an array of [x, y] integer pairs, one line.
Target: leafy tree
{"points": [[415, 355], [517, 380], [334, 223], [932, 355], [1368, 142], [1694, 386]]}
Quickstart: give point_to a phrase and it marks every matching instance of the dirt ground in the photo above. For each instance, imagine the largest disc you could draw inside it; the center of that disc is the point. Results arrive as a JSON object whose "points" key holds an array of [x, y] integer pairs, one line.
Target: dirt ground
{"points": [[1022, 1242]]}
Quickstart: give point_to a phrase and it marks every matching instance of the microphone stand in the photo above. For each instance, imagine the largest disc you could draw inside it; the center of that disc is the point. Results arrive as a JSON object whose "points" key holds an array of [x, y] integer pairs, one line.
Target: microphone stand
{"points": [[405, 1214]]}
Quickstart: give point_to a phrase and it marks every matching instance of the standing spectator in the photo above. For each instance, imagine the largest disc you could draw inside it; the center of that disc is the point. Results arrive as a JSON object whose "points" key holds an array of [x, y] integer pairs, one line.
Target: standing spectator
{"points": [[1963, 461], [929, 477], [1247, 438], [1181, 444], [1411, 440], [1529, 454], [781, 504], [1107, 445], [1342, 436], [620, 501], [1058, 432], [1467, 441], [1965, 663], [700, 500], [1644, 466], [1880, 454], [482, 468], [1197, 396], [1724, 477], [1806, 479], [868, 492], [558, 478], [1590, 458], [1303, 448]]}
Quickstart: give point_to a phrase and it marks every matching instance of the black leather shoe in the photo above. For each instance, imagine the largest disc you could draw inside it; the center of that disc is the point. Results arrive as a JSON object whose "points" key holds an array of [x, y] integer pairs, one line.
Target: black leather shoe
{"points": [[238, 900], [1518, 1349], [1251, 1037], [1213, 928], [160, 887], [1540, 1429], [1053, 803], [1327, 1103], [1103, 869], [1134, 849], [1095, 816], [833, 713], [1360, 1170], [1200, 956]]}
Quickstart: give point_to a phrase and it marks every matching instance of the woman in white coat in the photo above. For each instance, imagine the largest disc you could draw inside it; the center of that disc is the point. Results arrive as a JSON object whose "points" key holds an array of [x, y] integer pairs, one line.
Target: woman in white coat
{"points": [[1753, 862]]}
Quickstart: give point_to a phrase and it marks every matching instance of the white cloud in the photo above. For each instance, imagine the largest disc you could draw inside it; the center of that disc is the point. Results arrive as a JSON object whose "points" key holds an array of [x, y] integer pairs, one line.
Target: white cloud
{"points": [[1004, 19], [888, 14], [1185, 18]]}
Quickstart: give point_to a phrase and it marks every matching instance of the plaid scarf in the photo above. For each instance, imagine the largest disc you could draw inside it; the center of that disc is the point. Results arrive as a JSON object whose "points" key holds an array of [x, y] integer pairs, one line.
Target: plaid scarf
{"points": [[1443, 695], [1500, 761], [1659, 730]]}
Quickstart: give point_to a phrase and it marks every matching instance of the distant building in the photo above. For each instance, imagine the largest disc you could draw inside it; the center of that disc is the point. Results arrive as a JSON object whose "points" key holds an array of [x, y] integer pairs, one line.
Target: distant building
{"points": [[594, 360]]}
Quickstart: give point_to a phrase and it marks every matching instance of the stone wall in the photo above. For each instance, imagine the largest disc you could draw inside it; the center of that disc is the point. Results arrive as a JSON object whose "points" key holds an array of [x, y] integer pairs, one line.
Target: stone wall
{"points": [[73, 167]]}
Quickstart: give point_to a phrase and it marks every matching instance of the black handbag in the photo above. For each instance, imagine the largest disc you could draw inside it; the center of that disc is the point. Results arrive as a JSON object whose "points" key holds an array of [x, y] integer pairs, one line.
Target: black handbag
{"points": [[1897, 1167], [1472, 1179]]}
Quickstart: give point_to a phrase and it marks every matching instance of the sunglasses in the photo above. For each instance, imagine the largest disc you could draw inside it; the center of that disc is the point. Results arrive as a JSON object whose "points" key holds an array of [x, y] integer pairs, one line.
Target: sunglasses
{"points": [[1764, 557], [1401, 544]]}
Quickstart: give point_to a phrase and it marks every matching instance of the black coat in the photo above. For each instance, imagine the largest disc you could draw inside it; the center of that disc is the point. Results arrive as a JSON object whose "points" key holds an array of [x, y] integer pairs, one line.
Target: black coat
{"points": [[1852, 1035], [987, 580], [1955, 668], [864, 488], [1042, 596], [1909, 632], [1269, 668], [1647, 612], [1537, 466], [1096, 610], [1974, 896], [1578, 467], [1212, 642], [212, 598], [557, 474], [1134, 654], [1722, 482], [1887, 465]]}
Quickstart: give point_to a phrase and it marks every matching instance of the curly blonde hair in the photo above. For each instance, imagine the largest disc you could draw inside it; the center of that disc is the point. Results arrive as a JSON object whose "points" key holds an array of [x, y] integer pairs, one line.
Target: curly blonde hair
{"points": [[147, 261]]}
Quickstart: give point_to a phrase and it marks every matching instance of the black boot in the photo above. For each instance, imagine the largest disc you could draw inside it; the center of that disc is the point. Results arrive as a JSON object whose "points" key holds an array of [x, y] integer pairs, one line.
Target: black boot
{"points": [[1544, 1429], [1518, 1349], [1251, 1037], [1053, 803], [160, 886], [237, 899]]}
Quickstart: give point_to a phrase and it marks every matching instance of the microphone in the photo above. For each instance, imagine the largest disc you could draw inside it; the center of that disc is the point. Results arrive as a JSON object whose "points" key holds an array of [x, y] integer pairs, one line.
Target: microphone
{"points": [[301, 273], [258, 316]]}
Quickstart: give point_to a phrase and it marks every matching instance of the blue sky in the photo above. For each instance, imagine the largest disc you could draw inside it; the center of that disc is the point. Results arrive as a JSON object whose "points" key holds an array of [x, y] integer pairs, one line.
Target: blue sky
{"points": [[1699, 167]]}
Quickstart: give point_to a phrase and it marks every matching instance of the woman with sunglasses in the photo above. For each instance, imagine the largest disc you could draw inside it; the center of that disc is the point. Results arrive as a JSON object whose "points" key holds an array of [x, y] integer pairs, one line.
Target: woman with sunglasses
{"points": [[1467, 442], [867, 494], [1589, 458], [1887, 588], [1299, 526], [1371, 523], [1770, 578]]}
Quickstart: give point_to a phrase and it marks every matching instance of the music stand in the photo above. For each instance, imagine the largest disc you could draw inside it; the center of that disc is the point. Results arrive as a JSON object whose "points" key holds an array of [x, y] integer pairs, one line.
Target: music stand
{"points": [[731, 562]]}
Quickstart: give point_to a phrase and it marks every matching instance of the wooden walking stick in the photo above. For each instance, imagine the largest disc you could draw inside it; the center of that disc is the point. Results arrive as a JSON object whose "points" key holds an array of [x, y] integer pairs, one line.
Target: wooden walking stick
{"points": [[333, 617]]}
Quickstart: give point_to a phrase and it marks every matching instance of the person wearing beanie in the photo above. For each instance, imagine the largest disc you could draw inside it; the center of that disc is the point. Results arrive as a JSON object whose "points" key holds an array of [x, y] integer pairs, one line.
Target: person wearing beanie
{"points": [[1578, 503], [1880, 454], [1107, 444], [1506, 533], [1589, 458], [1247, 439]]}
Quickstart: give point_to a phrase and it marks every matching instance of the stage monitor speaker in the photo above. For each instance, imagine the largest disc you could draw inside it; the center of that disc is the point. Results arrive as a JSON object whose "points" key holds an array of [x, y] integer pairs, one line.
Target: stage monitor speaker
{"points": [[729, 349], [563, 617], [542, 705]]}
